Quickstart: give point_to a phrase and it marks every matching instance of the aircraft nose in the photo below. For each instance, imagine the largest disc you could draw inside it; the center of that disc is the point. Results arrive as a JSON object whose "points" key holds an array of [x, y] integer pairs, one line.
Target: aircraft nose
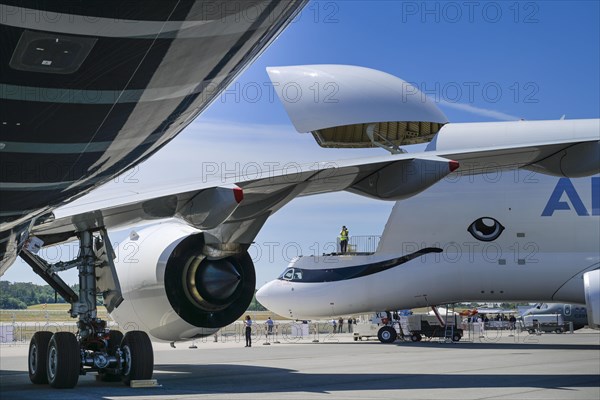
{"points": [[262, 295], [269, 296]]}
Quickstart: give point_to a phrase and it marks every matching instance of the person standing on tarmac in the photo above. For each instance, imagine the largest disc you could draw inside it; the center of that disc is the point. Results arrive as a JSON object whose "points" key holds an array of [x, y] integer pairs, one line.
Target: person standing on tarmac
{"points": [[344, 239], [248, 325]]}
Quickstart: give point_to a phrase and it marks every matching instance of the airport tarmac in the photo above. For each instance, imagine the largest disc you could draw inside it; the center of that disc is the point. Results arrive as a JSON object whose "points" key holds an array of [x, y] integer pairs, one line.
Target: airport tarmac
{"points": [[549, 366]]}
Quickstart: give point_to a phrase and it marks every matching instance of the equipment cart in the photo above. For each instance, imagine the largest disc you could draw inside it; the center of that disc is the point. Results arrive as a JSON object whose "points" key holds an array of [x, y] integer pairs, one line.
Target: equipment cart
{"points": [[429, 326]]}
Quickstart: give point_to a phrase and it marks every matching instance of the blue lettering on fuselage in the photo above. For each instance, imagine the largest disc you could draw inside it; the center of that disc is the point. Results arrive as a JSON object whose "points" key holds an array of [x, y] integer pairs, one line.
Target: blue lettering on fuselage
{"points": [[565, 186]]}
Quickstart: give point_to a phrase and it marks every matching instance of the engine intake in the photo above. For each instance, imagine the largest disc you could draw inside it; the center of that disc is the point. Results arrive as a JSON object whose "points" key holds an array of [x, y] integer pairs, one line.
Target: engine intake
{"points": [[177, 288], [207, 292]]}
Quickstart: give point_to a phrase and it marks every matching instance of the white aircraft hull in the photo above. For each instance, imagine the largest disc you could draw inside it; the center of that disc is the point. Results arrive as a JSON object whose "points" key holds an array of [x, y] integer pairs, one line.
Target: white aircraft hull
{"points": [[550, 239]]}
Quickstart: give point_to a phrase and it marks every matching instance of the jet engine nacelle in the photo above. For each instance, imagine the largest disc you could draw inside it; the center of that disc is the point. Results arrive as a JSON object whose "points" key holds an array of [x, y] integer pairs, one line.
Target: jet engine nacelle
{"points": [[173, 291], [591, 284]]}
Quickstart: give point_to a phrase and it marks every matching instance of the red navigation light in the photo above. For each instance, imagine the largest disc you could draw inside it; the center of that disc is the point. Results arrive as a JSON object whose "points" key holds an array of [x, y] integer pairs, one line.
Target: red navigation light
{"points": [[453, 165], [238, 193]]}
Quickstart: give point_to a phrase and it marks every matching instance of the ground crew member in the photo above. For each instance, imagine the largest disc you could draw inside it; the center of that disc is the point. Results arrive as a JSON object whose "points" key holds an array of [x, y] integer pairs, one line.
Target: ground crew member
{"points": [[269, 326], [248, 325], [344, 239]]}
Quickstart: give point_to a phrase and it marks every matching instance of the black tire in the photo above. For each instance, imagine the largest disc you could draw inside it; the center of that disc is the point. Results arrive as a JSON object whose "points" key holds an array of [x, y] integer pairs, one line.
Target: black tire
{"points": [[138, 356], [38, 352], [356, 338], [558, 330], [415, 337], [114, 341], [63, 360], [387, 334], [531, 331], [456, 337]]}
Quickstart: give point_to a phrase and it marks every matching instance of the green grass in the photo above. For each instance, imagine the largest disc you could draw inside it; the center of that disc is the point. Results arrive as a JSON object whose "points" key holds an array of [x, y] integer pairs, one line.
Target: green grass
{"points": [[60, 313], [42, 312]]}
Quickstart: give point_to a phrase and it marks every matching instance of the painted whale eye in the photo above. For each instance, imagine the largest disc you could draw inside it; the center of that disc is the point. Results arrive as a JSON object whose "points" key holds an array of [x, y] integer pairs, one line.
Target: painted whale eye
{"points": [[485, 229]]}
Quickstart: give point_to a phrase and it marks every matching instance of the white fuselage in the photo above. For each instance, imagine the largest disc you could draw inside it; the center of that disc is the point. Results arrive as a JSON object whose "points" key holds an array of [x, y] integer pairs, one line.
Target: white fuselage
{"points": [[550, 237]]}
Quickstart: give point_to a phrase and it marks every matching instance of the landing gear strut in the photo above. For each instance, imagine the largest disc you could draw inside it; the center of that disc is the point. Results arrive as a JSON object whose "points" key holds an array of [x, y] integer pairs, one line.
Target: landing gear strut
{"points": [[59, 358]]}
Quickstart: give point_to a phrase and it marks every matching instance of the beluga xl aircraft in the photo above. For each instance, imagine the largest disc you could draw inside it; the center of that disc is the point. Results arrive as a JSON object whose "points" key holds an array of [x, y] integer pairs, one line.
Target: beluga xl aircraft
{"points": [[504, 236], [192, 273], [489, 231]]}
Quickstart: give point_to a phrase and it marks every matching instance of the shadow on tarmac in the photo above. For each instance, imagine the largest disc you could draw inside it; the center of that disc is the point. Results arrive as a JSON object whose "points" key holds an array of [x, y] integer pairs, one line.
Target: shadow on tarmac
{"points": [[507, 346], [223, 379], [489, 344]]}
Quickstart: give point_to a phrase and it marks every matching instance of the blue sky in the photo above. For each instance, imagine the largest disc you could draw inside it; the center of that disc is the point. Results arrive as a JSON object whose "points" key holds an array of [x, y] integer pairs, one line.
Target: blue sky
{"points": [[483, 61]]}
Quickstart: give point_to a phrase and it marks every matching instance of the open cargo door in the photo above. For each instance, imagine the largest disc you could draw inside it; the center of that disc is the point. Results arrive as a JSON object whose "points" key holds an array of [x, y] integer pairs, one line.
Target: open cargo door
{"points": [[346, 106]]}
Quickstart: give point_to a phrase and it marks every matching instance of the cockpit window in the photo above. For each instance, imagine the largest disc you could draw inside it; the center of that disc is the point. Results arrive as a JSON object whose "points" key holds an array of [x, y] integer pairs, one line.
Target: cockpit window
{"points": [[310, 275], [288, 274], [292, 274]]}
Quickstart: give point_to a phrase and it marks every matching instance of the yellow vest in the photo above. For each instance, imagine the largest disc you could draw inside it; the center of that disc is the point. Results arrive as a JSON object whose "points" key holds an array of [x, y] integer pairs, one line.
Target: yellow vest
{"points": [[344, 234]]}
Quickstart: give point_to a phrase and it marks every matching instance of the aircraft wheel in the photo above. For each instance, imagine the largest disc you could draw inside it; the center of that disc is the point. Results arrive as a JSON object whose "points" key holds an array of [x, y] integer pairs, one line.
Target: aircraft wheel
{"points": [[38, 351], [139, 356], [558, 330], [415, 337], [356, 338], [456, 337], [531, 331], [387, 334], [114, 341], [64, 360]]}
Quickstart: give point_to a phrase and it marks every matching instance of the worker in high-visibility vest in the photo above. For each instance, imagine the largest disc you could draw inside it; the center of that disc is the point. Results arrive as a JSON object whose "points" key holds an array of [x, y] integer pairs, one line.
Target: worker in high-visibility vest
{"points": [[344, 239]]}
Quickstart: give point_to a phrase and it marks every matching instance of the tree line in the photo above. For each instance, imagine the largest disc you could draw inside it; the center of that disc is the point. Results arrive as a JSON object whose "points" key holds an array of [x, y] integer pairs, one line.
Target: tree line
{"points": [[20, 295]]}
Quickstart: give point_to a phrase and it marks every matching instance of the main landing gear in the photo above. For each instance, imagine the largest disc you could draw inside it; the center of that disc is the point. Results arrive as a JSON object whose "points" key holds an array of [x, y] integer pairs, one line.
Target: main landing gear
{"points": [[59, 359]]}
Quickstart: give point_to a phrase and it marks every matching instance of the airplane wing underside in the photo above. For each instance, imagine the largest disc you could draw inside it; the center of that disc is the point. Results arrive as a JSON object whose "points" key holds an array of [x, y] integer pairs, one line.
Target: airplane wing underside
{"points": [[225, 217]]}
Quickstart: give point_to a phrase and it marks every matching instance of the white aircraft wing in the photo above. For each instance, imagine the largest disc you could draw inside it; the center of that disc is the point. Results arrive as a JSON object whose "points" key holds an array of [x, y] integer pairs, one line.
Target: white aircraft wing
{"points": [[233, 200], [235, 209]]}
